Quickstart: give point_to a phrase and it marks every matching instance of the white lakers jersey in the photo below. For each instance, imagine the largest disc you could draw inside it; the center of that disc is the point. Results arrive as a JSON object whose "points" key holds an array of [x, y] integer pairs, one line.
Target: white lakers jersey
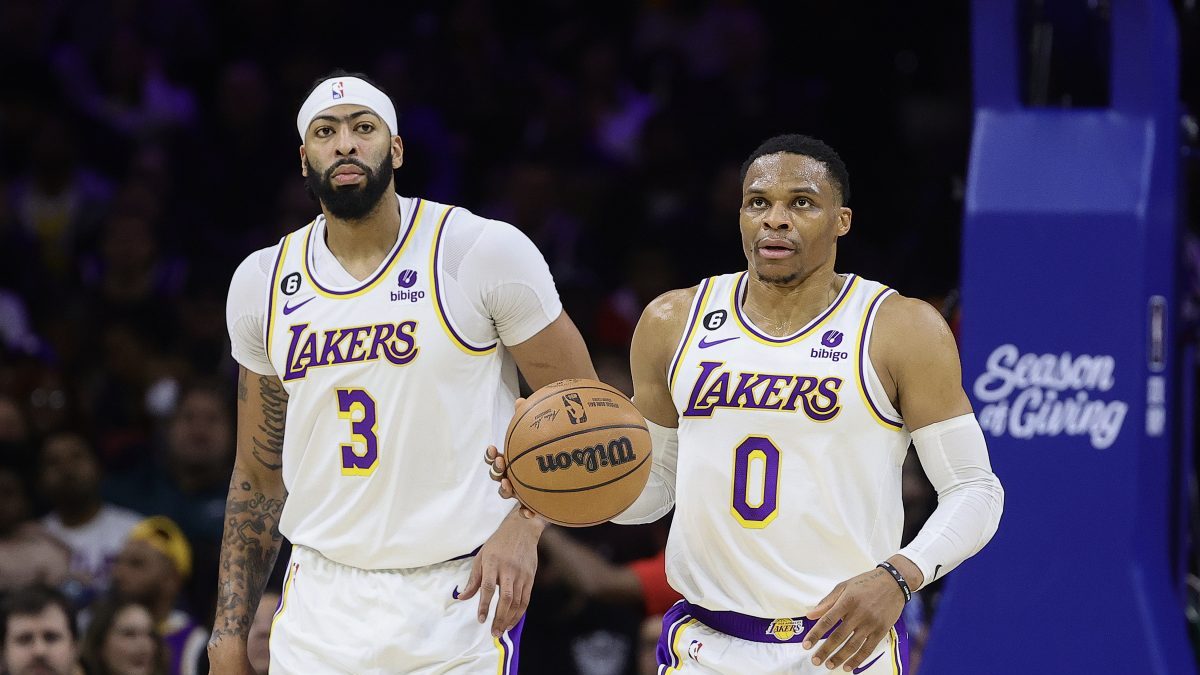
{"points": [[790, 454], [390, 407]]}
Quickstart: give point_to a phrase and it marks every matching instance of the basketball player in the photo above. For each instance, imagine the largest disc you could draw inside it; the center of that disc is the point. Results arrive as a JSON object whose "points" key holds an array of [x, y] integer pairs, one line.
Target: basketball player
{"points": [[781, 401], [379, 348]]}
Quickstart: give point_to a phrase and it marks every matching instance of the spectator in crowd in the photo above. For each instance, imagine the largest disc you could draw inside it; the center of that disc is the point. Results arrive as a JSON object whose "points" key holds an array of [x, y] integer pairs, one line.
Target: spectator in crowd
{"points": [[151, 569], [187, 481], [95, 531], [121, 640], [38, 633], [28, 553], [58, 202], [190, 476]]}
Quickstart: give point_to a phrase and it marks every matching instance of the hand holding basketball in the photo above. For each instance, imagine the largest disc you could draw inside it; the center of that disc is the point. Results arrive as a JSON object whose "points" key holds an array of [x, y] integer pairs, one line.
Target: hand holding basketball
{"points": [[577, 453]]}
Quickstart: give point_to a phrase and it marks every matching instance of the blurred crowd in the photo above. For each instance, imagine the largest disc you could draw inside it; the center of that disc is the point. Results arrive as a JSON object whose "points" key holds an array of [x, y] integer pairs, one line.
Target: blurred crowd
{"points": [[147, 147]]}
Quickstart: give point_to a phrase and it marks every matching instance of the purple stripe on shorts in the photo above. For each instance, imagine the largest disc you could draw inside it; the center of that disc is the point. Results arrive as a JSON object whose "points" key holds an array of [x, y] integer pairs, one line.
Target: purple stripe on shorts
{"points": [[514, 636], [676, 614], [902, 644]]}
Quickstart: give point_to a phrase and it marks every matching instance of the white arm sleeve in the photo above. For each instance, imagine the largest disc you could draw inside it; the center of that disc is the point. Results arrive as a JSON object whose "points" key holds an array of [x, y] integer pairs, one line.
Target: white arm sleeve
{"points": [[658, 496], [506, 278], [246, 309], [970, 497]]}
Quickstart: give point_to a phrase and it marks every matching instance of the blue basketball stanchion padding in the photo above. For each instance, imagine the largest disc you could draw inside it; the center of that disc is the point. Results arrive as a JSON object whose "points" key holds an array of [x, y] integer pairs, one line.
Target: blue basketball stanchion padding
{"points": [[1069, 323]]}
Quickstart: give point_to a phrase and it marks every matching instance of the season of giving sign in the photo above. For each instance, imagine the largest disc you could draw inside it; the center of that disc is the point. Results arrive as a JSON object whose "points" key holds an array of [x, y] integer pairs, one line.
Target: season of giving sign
{"points": [[1027, 395]]}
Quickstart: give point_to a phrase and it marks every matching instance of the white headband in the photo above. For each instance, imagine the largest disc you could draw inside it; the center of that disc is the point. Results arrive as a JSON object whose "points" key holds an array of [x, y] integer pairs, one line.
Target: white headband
{"points": [[339, 90]]}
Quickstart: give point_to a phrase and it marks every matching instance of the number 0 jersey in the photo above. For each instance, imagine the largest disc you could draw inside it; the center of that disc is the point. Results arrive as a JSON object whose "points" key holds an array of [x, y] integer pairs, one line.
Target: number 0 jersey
{"points": [[390, 405], [790, 454]]}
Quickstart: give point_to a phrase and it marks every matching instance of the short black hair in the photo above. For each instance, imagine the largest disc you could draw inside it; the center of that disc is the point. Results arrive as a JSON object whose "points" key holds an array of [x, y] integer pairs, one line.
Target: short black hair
{"points": [[31, 600], [340, 72], [799, 144]]}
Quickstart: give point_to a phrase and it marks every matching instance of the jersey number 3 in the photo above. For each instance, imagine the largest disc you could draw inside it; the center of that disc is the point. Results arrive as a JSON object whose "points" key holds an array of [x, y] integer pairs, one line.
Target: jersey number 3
{"points": [[755, 482], [361, 454]]}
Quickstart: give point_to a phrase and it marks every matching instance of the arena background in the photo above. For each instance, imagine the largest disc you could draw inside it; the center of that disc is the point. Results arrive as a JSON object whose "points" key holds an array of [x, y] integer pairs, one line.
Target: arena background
{"points": [[146, 147]]}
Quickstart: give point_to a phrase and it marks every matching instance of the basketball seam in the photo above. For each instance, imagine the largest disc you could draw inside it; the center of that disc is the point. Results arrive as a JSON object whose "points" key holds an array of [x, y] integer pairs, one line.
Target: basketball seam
{"points": [[577, 432], [529, 406]]}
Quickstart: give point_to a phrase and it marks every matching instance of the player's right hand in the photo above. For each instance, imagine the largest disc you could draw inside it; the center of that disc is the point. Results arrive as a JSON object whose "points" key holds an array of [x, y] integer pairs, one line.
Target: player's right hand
{"points": [[228, 657]]}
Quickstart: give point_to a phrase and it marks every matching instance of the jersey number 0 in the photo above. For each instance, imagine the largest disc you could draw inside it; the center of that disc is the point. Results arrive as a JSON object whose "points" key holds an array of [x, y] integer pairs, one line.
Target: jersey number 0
{"points": [[755, 460]]}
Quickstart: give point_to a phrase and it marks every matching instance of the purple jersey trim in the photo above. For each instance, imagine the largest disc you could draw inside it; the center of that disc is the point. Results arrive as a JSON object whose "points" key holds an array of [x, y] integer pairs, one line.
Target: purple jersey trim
{"points": [[739, 297], [383, 269], [437, 290], [862, 358], [701, 297], [268, 325]]}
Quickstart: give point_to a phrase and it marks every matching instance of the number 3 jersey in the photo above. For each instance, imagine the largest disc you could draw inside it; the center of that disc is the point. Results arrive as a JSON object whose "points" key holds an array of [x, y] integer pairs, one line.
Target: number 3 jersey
{"points": [[392, 399], [790, 454]]}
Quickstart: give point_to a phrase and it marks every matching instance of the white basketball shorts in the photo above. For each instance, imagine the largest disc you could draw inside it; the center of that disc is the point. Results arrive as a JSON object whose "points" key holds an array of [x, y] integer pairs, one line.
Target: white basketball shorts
{"points": [[345, 620]]}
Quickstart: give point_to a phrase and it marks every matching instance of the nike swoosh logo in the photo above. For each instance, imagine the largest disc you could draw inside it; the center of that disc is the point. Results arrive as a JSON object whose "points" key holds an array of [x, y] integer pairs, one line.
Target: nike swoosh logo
{"points": [[935, 571], [870, 663], [289, 309], [714, 343], [454, 593]]}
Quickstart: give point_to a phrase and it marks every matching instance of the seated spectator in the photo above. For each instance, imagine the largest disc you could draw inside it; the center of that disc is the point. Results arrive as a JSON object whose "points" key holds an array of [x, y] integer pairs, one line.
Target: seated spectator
{"points": [[28, 553], [69, 477], [122, 640], [37, 633], [151, 569]]}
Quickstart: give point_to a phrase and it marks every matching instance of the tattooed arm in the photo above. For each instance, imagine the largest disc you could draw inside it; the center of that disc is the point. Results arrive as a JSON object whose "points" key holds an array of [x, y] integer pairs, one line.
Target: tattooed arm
{"points": [[256, 497]]}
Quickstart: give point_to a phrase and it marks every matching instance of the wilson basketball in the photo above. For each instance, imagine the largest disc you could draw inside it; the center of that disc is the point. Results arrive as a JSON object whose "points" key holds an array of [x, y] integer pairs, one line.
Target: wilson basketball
{"points": [[578, 452]]}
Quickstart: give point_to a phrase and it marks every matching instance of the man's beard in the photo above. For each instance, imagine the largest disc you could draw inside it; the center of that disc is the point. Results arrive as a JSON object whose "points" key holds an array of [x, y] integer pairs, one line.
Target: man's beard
{"points": [[350, 202]]}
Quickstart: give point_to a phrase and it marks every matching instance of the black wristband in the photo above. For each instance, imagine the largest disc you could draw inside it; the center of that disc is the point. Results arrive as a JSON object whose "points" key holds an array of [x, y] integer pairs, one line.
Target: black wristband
{"points": [[891, 569]]}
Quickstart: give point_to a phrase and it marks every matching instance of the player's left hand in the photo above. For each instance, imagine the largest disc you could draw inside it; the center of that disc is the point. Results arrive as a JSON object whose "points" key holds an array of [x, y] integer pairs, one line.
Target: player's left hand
{"points": [[497, 469], [867, 606], [507, 562]]}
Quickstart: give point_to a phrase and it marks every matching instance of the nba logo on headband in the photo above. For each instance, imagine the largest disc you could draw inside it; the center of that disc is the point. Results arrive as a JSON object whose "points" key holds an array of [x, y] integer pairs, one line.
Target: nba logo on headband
{"points": [[345, 90]]}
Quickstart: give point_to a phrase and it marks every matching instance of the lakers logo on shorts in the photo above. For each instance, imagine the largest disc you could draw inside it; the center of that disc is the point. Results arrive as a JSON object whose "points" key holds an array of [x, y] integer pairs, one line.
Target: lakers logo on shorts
{"points": [[784, 629]]}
